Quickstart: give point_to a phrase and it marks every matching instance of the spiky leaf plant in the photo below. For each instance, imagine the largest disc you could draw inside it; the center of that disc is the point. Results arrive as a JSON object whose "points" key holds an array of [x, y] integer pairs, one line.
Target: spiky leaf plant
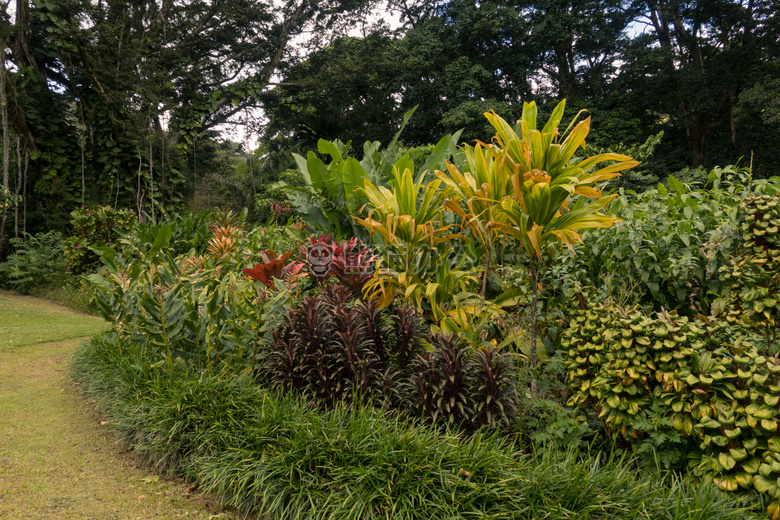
{"points": [[438, 387], [491, 377], [544, 171]]}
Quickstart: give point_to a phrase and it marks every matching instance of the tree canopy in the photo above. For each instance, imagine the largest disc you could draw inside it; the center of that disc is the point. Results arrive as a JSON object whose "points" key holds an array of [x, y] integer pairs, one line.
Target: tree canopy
{"points": [[702, 72], [120, 91], [109, 102]]}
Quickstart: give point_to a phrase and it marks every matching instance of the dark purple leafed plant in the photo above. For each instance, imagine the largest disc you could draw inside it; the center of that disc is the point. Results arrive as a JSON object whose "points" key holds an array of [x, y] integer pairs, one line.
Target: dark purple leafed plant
{"points": [[492, 377]]}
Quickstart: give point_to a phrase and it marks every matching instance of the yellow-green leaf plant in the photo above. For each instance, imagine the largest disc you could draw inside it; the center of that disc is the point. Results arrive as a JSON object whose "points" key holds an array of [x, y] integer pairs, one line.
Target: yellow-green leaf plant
{"points": [[546, 171], [409, 221], [475, 197]]}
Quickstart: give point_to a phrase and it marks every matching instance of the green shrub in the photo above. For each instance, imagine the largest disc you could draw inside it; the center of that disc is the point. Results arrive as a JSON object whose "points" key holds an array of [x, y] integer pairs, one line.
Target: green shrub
{"points": [[80, 295], [329, 199], [697, 389], [754, 274], [186, 309], [97, 227], [669, 246], [190, 234], [272, 205], [545, 421], [278, 457], [37, 262]]}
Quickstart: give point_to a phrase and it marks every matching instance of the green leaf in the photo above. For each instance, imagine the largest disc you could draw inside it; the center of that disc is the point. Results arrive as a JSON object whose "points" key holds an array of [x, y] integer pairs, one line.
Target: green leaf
{"points": [[326, 147], [163, 238], [408, 115], [676, 185]]}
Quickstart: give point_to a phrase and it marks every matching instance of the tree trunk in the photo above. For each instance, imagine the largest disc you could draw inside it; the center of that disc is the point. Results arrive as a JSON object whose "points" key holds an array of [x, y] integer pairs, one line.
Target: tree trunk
{"points": [[534, 330], [83, 180], [18, 186], [24, 192], [139, 198], [151, 172], [6, 140]]}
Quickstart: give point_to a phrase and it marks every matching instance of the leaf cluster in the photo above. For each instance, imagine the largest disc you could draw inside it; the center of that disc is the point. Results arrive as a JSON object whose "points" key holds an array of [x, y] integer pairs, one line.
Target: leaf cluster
{"points": [[699, 388], [37, 261], [190, 309], [754, 273], [334, 348], [96, 227]]}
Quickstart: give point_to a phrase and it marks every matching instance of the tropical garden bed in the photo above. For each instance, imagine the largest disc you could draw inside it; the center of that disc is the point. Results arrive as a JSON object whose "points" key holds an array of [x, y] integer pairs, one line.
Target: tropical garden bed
{"points": [[413, 342]]}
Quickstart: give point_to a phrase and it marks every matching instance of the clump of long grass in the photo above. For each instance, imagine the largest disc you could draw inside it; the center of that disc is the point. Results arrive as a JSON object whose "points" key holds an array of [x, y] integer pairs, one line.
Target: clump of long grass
{"points": [[281, 457]]}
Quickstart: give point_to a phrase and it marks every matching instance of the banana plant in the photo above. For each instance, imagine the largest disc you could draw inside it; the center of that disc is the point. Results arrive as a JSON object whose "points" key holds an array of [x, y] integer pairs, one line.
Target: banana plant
{"points": [[545, 171]]}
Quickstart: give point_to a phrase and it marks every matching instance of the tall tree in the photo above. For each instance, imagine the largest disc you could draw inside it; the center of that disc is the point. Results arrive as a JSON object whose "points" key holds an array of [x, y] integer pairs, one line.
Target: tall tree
{"points": [[350, 90], [693, 63], [145, 78], [4, 189]]}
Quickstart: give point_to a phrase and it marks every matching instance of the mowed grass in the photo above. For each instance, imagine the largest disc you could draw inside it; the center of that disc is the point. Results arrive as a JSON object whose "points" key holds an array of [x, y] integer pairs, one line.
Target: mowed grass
{"points": [[26, 321], [58, 457]]}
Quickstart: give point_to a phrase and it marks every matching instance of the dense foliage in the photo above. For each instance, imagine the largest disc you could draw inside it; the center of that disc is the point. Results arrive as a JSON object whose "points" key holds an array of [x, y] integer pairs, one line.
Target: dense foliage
{"points": [[279, 457], [38, 260], [701, 73], [699, 391], [442, 265], [132, 105]]}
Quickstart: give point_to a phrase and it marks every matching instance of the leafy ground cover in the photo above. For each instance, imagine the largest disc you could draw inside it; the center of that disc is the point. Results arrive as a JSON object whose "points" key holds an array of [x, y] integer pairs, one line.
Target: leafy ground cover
{"points": [[280, 457], [58, 456]]}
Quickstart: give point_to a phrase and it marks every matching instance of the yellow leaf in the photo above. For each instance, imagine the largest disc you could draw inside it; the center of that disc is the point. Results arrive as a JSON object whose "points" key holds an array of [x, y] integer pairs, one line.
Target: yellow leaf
{"points": [[587, 191]]}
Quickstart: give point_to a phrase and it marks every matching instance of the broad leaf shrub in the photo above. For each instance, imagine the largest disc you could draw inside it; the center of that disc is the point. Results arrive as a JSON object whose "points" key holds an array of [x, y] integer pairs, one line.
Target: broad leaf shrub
{"points": [[754, 273], [329, 198], [190, 234], [674, 250], [671, 245], [199, 308], [95, 227], [697, 388], [278, 457]]}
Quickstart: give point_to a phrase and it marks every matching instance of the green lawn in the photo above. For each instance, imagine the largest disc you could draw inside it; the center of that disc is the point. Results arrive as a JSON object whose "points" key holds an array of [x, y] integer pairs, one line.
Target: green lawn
{"points": [[26, 321], [59, 458]]}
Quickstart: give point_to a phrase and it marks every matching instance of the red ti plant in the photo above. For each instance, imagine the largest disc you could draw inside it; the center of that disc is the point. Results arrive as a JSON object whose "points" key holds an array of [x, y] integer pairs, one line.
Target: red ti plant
{"points": [[351, 264], [318, 256], [275, 267]]}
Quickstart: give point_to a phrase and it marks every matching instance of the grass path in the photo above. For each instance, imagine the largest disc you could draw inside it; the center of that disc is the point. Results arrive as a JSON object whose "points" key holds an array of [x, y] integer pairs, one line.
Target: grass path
{"points": [[58, 458]]}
